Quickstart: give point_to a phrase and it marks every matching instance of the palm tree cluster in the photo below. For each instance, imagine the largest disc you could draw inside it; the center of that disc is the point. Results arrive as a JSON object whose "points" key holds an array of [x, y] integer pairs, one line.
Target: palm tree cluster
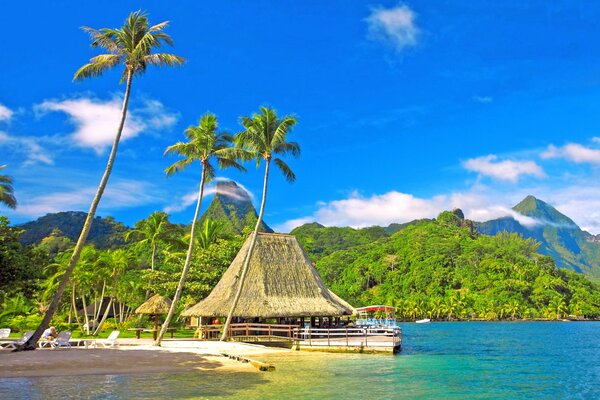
{"points": [[263, 138]]}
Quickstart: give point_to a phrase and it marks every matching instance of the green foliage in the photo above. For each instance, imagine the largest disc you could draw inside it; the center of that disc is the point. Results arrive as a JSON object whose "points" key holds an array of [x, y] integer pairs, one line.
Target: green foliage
{"points": [[319, 241], [20, 266], [442, 269]]}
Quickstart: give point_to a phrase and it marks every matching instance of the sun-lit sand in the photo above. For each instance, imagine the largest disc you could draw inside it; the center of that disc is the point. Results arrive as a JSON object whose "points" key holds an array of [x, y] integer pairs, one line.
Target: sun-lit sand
{"points": [[131, 356]]}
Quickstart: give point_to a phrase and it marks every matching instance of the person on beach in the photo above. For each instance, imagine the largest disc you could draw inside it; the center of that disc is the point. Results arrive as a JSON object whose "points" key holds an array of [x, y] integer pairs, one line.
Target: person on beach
{"points": [[50, 333]]}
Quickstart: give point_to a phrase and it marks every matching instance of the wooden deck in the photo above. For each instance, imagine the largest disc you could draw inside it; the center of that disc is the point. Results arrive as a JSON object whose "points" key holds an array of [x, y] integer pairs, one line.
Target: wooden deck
{"points": [[353, 340]]}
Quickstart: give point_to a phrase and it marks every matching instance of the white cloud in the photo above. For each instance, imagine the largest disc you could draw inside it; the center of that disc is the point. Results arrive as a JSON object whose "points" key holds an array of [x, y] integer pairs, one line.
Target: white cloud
{"points": [[192, 197], [5, 113], [573, 152], [118, 195], [394, 26], [96, 121], [483, 99], [507, 170], [34, 152]]}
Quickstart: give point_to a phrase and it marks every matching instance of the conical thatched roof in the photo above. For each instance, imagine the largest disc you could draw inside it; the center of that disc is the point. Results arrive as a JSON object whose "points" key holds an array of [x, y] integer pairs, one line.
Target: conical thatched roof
{"points": [[155, 305], [281, 282]]}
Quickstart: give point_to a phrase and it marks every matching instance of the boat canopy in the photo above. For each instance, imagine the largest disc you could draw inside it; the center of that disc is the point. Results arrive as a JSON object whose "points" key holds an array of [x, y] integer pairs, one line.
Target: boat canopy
{"points": [[375, 308]]}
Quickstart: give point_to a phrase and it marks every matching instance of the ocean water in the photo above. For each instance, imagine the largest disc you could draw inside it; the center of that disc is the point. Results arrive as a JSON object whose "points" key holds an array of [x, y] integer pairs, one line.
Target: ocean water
{"points": [[480, 360]]}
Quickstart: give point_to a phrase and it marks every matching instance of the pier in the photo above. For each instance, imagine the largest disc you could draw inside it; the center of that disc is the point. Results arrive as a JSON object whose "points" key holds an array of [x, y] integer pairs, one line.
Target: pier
{"points": [[341, 339]]}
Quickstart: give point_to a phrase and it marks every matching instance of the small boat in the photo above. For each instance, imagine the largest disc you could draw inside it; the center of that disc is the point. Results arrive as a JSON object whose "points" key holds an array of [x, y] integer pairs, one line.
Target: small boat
{"points": [[423, 321]]}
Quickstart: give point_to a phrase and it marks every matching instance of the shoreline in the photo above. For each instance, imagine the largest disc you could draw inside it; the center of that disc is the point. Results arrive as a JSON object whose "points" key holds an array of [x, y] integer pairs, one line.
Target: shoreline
{"points": [[127, 359]]}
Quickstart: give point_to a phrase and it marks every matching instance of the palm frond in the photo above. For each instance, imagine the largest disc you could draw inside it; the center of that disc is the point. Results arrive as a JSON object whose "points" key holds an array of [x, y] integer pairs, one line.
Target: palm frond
{"points": [[287, 172], [178, 166], [97, 66], [164, 59]]}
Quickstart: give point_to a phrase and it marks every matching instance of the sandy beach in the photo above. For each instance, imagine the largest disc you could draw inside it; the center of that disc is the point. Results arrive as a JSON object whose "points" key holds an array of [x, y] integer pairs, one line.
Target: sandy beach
{"points": [[130, 358]]}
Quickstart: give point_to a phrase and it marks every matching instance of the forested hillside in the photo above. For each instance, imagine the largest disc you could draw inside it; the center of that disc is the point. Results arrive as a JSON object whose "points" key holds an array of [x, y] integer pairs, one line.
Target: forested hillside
{"points": [[444, 269], [105, 233]]}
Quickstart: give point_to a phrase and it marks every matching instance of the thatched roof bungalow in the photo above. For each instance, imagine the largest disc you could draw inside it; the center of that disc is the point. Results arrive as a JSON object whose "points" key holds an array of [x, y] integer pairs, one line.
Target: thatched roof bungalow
{"points": [[155, 305], [281, 282]]}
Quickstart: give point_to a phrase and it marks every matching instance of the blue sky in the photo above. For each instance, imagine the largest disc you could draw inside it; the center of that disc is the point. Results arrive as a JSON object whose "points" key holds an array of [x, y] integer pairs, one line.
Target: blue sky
{"points": [[404, 109]]}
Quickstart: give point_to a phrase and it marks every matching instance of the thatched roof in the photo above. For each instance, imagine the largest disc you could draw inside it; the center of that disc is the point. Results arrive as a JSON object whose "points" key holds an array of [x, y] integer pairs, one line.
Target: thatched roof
{"points": [[281, 282], [155, 305]]}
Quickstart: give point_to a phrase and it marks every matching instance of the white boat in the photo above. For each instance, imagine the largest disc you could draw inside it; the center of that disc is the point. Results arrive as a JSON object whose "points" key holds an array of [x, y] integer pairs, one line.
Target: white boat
{"points": [[423, 321]]}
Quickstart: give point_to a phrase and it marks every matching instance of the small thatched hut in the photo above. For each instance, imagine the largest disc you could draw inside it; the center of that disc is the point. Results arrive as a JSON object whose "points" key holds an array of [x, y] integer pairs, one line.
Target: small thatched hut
{"points": [[281, 283], [155, 305]]}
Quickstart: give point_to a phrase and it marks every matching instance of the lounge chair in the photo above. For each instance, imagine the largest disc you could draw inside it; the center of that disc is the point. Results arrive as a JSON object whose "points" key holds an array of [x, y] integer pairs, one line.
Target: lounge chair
{"points": [[110, 341], [62, 340], [14, 343], [4, 333]]}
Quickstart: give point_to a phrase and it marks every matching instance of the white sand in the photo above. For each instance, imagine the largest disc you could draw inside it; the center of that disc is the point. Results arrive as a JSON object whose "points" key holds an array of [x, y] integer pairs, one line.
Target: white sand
{"points": [[130, 357]]}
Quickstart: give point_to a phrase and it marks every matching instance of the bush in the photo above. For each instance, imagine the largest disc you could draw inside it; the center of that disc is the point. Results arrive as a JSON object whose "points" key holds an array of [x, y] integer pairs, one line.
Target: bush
{"points": [[22, 323]]}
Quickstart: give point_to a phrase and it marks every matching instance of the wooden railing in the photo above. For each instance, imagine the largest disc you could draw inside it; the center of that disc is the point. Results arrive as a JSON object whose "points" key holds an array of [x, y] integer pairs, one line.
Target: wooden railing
{"points": [[348, 336], [246, 329], [357, 336]]}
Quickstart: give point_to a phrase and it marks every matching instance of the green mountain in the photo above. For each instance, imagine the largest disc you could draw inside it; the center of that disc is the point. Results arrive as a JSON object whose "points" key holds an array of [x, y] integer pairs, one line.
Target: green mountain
{"points": [[559, 237], [232, 207], [443, 268], [105, 232]]}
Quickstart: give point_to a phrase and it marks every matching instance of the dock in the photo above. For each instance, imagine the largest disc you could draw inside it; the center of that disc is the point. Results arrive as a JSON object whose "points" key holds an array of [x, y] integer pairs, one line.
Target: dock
{"points": [[335, 340]]}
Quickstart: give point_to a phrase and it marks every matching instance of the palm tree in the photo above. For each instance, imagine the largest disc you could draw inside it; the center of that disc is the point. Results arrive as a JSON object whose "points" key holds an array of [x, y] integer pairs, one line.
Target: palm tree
{"points": [[129, 46], [7, 196], [204, 145], [264, 135], [150, 232]]}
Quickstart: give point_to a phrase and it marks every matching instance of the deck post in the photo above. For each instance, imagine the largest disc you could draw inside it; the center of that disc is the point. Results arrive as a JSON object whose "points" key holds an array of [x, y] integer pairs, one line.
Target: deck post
{"points": [[328, 331], [346, 336], [310, 335], [247, 329], [366, 344]]}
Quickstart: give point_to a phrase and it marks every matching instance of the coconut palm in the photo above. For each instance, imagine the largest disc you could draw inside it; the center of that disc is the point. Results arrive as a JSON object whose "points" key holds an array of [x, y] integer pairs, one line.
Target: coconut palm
{"points": [[7, 196], [151, 232], [204, 145], [131, 47], [265, 136]]}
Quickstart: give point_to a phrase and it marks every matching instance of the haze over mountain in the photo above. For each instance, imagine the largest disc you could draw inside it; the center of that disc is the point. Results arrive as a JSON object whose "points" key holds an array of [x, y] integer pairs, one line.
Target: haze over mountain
{"points": [[233, 208], [559, 236]]}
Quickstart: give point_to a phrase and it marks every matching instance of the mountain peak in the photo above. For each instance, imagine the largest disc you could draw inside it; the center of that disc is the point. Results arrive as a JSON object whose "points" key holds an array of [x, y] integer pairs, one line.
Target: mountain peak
{"points": [[232, 205], [230, 192], [540, 210]]}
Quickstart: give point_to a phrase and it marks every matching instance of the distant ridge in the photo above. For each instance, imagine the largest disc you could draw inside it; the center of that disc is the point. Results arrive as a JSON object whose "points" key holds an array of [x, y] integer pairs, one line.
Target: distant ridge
{"points": [[233, 208], [559, 236], [105, 232]]}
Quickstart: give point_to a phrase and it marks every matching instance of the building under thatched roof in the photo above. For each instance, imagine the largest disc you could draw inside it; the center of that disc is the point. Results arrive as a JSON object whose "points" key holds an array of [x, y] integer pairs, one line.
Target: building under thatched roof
{"points": [[155, 305], [281, 282]]}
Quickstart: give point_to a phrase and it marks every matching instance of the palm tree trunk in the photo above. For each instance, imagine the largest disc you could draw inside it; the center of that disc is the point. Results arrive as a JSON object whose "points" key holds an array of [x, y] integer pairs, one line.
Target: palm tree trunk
{"points": [[186, 265], [106, 311], [98, 304], [74, 305], [151, 269], [248, 255], [31, 344], [85, 314]]}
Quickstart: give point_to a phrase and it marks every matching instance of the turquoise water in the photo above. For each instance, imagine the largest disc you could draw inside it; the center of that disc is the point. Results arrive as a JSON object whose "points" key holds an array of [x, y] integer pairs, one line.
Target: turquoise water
{"points": [[483, 360]]}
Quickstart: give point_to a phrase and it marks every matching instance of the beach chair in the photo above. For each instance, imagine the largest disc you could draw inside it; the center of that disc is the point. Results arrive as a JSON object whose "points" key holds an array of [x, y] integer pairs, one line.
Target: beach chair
{"points": [[110, 341], [4, 333], [62, 340], [12, 344]]}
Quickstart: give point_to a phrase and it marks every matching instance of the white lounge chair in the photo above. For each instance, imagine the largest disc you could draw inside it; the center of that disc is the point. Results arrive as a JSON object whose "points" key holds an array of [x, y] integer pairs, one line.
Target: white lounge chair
{"points": [[14, 343], [62, 340], [110, 341], [4, 333]]}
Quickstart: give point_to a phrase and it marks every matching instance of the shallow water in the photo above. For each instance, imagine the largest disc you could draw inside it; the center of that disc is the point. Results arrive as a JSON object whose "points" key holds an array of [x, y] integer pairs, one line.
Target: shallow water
{"points": [[484, 360]]}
